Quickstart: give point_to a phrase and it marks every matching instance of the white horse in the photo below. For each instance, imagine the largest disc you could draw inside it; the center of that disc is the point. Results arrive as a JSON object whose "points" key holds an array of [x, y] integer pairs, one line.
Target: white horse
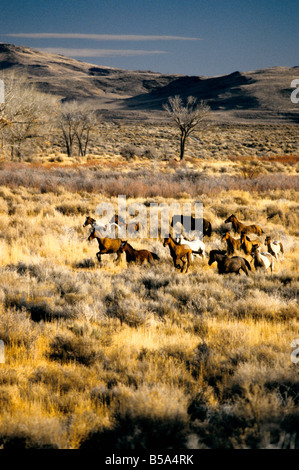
{"points": [[262, 260], [100, 226], [275, 247], [197, 246]]}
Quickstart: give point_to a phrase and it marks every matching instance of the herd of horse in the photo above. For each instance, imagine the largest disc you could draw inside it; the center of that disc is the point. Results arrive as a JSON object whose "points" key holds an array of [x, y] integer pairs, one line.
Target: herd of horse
{"points": [[183, 250]]}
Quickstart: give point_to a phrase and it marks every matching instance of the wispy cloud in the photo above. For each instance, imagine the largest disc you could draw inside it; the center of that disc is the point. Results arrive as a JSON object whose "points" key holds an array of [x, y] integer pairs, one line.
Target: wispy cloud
{"points": [[70, 52], [101, 37]]}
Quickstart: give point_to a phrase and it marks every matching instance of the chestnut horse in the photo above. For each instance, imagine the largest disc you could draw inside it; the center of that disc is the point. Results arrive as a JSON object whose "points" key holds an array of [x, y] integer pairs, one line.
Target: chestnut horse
{"points": [[247, 244], [239, 227], [106, 245], [233, 244], [179, 253], [137, 256]]}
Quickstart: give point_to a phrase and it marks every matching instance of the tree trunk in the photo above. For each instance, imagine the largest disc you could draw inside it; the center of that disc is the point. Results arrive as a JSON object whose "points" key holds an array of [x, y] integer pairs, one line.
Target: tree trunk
{"points": [[182, 146]]}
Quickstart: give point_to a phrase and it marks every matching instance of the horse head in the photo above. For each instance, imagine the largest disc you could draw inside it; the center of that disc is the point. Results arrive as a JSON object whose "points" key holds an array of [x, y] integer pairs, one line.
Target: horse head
{"points": [[230, 219], [122, 246], [166, 241], [89, 220], [216, 255]]}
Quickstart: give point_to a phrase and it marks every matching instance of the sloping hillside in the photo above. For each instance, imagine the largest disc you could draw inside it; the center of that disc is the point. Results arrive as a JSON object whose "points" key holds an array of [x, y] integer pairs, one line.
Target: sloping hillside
{"points": [[73, 79], [262, 94], [255, 96]]}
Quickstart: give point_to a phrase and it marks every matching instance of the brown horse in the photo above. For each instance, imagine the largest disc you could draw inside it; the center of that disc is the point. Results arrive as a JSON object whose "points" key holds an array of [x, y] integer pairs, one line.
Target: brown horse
{"points": [[179, 253], [233, 244], [226, 264], [239, 227], [106, 245], [247, 244], [137, 256]]}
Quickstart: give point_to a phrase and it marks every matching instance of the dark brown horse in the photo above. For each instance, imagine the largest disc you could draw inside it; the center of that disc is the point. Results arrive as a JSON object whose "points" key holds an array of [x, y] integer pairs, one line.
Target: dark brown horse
{"points": [[239, 227], [226, 264], [192, 223], [137, 256], [106, 245], [179, 253]]}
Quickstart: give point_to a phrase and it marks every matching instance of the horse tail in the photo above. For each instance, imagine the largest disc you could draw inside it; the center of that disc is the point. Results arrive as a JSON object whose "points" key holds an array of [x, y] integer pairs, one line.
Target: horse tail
{"points": [[247, 264], [209, 231], [199, 252], [155, 256]]}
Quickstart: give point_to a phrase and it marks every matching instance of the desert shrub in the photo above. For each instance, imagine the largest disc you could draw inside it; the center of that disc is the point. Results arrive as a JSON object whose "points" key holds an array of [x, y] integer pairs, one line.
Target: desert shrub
{"points": [[127, 310], [72, 208], [68, 347], [139, 432], [86, 263], [32, 270], [40, 308], [142, 423], [128, 152], [31, 433], [58, 378], [150, 153], [16, 328]]}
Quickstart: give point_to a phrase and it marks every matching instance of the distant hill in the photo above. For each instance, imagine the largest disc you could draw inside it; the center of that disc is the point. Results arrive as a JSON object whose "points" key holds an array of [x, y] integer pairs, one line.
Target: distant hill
{"points": [[262, 95]]}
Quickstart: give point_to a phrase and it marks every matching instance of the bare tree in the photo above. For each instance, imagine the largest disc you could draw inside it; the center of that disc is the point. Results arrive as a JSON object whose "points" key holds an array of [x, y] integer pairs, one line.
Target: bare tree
{"points": [[24, 114], [187, 118], [76, 122], [67, 122], [87, 122]]}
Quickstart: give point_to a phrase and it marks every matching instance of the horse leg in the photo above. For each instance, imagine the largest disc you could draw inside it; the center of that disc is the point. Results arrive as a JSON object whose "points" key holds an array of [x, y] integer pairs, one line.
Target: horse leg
{"points": [[118, 259], [98, 255], [189, 260], [244, 268], [185, 266]]}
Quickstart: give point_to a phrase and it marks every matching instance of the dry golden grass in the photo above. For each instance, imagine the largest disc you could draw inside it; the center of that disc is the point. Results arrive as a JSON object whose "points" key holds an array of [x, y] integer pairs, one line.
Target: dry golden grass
{"points": [[140, 357]]}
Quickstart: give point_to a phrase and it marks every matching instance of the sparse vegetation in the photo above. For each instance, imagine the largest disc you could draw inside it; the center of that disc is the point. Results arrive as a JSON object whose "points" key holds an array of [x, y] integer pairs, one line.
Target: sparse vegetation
{"points": [[140, 357]]}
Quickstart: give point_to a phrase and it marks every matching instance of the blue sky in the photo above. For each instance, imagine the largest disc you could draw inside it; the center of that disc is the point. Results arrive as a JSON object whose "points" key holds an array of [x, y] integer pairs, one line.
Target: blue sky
{"points": [[189, 37]]}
